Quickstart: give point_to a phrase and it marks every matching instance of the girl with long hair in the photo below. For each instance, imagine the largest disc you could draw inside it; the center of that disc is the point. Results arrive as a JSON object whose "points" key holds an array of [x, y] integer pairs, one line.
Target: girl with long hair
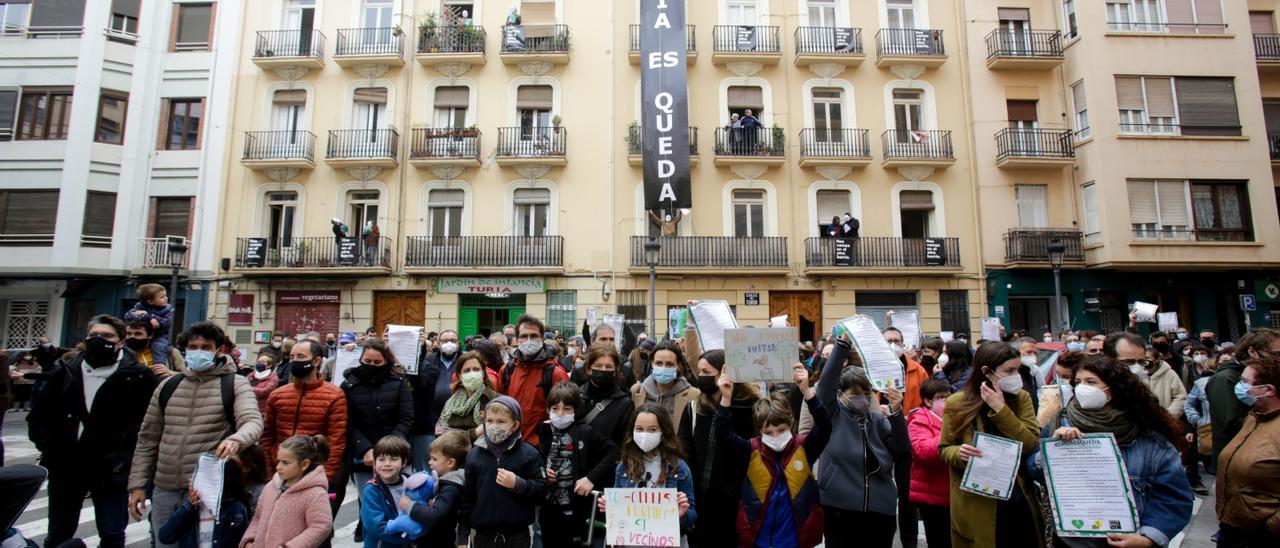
{"points": [[956, 364], [651, 457]]}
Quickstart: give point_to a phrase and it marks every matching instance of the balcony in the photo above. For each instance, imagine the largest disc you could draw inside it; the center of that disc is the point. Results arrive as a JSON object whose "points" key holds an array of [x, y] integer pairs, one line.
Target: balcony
{"points": [[762, 146], [635, 147], [532, 145], [691, 45], [841, 147], [1034, 148], [1266, 47], [497, 254], [284, 48], [154, 255], [279, 149], [1273, 143], [1031, 245], [929, 148], [839, 45], [444, 146], [834, 255], [363, 148], [921, 47], [372, 46], [714, 253], [1024, 50], [326, 254], [746, 44], [450, 44], [524, 43]]}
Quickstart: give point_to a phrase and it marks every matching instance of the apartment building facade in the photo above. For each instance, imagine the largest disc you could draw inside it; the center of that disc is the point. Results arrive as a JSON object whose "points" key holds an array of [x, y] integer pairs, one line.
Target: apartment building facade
{"points": [[111, 141]]}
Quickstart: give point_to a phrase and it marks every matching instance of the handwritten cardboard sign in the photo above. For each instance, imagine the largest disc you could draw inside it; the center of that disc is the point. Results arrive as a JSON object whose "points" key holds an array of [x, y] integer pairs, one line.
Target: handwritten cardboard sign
{"points": [[761, 354], [642, 517]]}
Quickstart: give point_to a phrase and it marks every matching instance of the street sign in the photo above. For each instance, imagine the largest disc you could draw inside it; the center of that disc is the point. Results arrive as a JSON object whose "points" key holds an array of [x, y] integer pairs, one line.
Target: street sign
{"points": [[999, 311], [1248, 303], [751, 299], [1269, 292]]}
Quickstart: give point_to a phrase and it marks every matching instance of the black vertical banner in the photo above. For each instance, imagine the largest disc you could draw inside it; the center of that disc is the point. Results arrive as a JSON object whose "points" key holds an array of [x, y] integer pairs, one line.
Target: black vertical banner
{"points": [[664, 85]]}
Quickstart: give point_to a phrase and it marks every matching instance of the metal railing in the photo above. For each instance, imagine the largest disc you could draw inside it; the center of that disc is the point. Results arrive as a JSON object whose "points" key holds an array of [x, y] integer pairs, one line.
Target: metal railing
{"points": [[1196, 235], [155, 254], [1034, 143], [362, 143], [26, 240], [273, 44], [484, 251], [532, 142], [1024, 43], [1177, 129], [535, 38], [451, 39], [427, 143], [828, 40], [691, 38], [758, 141], [370, 41], [1267, 47], [279, 145], [635, 145], [746, 38], [834, 143], [909, 42], [1177, 28], [882, 251], [714, 251], [919, 143], [1273, 143], [312, 252], [1031, 245], [54, 32]]}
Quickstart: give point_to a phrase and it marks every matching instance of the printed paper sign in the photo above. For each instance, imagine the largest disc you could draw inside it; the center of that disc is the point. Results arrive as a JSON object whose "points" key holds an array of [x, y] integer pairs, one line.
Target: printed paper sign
{"points": [[403, 342], [882, 366], [1145, 312], [991, 329], [908, 323], [642, 517], [1168, 321], [711, 319], [1089, 487], [761, 354], [616, 321]]}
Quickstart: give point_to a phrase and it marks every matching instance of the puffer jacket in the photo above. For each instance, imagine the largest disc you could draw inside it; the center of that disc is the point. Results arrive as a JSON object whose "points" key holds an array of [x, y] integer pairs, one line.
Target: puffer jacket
{"points": [[378, 404], [1169, 390], [262, 388], [295, 517], [312, 409], [193, 423], [930, 476]]}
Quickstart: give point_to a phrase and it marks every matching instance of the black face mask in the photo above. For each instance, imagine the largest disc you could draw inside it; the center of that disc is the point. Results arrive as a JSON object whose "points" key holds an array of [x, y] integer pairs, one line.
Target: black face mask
{"points": [[1162, 347], [1208, 343], [301, 369], [137, 345], [99, 352], [707, 385], [928, 362], [603, 379]]}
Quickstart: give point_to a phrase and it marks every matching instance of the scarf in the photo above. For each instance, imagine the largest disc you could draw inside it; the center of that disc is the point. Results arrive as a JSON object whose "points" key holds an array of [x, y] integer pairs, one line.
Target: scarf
{"points": [[459, 404], [1102, 421]]}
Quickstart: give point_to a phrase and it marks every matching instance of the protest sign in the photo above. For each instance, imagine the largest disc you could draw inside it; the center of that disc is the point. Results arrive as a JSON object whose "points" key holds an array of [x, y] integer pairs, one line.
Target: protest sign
{"points": [[642, 517], [761, 354]]}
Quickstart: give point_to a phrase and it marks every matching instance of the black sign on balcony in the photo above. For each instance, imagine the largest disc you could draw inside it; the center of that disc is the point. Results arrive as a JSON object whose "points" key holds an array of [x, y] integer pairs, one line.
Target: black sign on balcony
{"points": [[664, 83], [844, 251], [744, 38], [348, 251], [751, 299], [845, 42], [255, 252], [935, 252], [513, 38]]}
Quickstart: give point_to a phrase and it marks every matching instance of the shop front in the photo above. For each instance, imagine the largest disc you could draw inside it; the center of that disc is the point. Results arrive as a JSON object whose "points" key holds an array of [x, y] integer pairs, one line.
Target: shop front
{"points": [[486, 304], [307, 311]]}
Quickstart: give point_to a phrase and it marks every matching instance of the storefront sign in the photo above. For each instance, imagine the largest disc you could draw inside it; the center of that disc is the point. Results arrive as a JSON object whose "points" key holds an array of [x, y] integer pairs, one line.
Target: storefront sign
{"points": [[240, 309], [347, 251], [664, 85], [1092, 301], [934, 252], [844, 251], [308, 297], [1269, 292], [752, 299], [255, 252], [484, 286]]}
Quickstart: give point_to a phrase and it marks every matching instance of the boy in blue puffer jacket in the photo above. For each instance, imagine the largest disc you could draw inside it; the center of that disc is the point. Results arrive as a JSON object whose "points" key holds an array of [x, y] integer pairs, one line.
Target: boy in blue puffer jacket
{"points": [[380, 497]]}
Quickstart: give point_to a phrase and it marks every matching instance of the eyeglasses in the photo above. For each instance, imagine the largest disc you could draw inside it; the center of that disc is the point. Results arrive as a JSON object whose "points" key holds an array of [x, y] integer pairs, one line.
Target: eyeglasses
{"points": [[1143, 362]]}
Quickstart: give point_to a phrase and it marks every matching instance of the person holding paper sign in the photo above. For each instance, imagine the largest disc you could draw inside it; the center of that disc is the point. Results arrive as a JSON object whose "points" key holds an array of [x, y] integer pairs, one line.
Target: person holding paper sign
{"points": [[1110, 399], [992, 402], [651, 458], [183, 527]]}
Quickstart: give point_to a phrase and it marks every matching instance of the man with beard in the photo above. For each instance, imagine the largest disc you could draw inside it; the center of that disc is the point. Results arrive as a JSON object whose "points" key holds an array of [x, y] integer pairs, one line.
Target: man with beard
{"points": [[531, 374]]}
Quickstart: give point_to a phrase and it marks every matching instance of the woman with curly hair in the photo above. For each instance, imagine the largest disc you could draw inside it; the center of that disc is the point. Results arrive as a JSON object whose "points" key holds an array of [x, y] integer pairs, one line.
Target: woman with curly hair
{"points": [[1111, 399]]}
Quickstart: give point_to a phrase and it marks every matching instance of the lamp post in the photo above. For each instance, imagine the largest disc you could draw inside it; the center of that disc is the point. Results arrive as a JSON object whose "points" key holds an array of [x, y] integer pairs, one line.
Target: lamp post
{"points": [[651, 249], [1056, 251], [177, 247]]}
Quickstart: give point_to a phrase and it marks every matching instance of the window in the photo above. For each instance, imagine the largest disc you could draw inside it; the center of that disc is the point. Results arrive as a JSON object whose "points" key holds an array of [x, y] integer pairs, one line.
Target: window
{"points": [[1178, 16], [444, 213], [13, 18], [1168, 210], [531, 209], [171, 217], [954, 305], [1207, 106], [1262, 22], [1072, 26], [1032, 206], [281, 209], [1161, 105], [25, 322], [876, 304], [1081, 110], [901, 14], [822, 13], [300, 15], [377, 14], [124, 18], [182, 126], [533, 104], [1015, 30], [1221, 211], [1022, 114], [827, 117], [742, 12], [748, 213], [1136, 15], [8, 113], [832, 205], [908, 114], [362, 207], [1092, 222], [916, 213], [112, 106], [57, 18], [451, 106], [1270, 114], [562, 311], [744, 98], [461, 11], [287, 107], [99, 219], [27, 217], [1159, 210], [634, 305], [370, 110], [195, 27], [45, 114]]}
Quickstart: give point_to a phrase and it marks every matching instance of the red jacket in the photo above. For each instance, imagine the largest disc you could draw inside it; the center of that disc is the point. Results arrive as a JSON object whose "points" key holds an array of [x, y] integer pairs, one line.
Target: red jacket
{"points": [[930, 478], [532, 398], [915, 376], [316, 408]]}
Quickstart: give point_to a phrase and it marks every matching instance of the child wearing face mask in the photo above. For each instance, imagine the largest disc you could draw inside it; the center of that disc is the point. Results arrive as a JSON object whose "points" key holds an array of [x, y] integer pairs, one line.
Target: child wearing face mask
{"points": [[578, 460], [504, 482], [776, 462], [651, 458], [264, 379], [294, 507], [928, 472]]}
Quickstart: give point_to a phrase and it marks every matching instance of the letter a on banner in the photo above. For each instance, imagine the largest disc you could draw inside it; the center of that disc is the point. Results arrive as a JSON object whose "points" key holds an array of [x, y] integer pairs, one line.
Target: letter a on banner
{"points": [[664, 85]]}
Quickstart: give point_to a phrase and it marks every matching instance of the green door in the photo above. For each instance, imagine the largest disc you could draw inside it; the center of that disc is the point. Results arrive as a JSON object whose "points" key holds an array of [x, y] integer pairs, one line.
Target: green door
{"points": [[479, 314], [467, 320]]}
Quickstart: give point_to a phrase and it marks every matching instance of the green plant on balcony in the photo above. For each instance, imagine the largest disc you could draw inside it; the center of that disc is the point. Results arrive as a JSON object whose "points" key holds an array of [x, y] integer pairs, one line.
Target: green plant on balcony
{"points": [[633, 136], [555, 123], [778, 144], [428, 29]]}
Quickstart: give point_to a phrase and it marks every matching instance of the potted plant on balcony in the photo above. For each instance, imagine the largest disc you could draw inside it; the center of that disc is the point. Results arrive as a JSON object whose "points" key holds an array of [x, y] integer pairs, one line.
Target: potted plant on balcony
{"points": [[427, 30], [555, 123], [633, 135], [778, 143], [468, 132]]}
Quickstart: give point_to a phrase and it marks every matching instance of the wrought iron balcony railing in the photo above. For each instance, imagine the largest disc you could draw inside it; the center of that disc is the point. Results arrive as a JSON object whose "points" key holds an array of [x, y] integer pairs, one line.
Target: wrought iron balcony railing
{"points": [[484, 251]]}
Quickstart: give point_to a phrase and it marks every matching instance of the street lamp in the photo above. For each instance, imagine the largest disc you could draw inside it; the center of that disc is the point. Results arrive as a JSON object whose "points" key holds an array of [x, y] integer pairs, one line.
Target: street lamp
{"points": [[651, 249], [1056, 251], [177, 247]]}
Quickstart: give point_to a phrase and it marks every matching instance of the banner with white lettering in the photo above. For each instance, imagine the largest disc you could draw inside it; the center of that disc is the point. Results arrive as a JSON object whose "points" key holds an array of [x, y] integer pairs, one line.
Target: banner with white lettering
{"points": [[664, 84]]}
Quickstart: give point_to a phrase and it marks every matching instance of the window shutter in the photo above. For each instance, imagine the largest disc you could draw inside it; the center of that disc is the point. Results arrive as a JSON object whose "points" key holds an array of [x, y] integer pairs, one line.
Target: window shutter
{"points": [[99, 220], [1271, 113], [1178, 13], [1013, 14], [1092, 224], [1129, 93], [1142, 202], [8, 111], [916, 200], [1031, 205], [57, 13], [1209, 12], [29, 212], [537, 12], [746, 97], [125, 7], [1262, 22], [371, 95], [1173, 203], [193, 23], [532, 196], [1207, 106], [1077, 95], [1159, 97], [831, 203], [534, 97], [290, 97], [1021, 111], [447, 198], [453, 97], [172, 217]]}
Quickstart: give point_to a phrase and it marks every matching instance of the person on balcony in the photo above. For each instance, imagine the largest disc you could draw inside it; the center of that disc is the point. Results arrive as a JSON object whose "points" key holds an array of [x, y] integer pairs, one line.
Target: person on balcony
{"points": [[750, 131], [668, 222], [371, 237]]}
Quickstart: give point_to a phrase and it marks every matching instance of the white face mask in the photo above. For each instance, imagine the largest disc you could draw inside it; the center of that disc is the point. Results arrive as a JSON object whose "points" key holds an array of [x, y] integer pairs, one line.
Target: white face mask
{"points": [[1029, 360], [449, 348], [897, 349], [1199, 358], [1011, 384], [777, 443], [1048, 339], [646, 441], [560, 422], [1140, 371], [1091, 398], [571, 352], [944, 359]]}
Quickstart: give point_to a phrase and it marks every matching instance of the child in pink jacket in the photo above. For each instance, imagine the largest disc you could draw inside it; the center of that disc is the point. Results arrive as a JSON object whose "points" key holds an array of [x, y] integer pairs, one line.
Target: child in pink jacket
{"points": [[293, 510], [930, 478]]}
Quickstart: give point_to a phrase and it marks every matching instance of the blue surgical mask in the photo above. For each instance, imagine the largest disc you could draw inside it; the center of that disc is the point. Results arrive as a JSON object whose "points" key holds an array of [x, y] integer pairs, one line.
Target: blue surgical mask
{"points": [[1242, 393], [1075, 346], [200, 360], [664, 375]]}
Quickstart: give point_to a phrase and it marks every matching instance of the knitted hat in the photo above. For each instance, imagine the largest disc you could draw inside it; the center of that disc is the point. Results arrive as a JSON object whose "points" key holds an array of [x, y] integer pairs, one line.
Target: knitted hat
{"points": [[648, 345], [511, 404]]}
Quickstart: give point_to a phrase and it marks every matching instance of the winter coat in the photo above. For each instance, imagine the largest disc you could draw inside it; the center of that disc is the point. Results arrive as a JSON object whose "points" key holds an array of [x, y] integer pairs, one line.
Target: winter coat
{"points": [[298, 517], [183, 527], [1226, 411], [675, 400], [423, 389], [703, 452], [914, 376], [110, 427], [194, 422], [1050, 404], [163, 315], [378, 506], [1197, 405], [489, 507], [679, 479], [262, 388], [1168, 389], [1249, 484], [594, 458], [525, 387], [440, 516], [929, 475], [378, 404], [312, 409], [614, 420]]}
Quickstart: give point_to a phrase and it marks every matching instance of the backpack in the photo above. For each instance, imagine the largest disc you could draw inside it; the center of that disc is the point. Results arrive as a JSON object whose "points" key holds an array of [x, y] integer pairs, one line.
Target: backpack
{"points": [[228, 383], [548, 376]]}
